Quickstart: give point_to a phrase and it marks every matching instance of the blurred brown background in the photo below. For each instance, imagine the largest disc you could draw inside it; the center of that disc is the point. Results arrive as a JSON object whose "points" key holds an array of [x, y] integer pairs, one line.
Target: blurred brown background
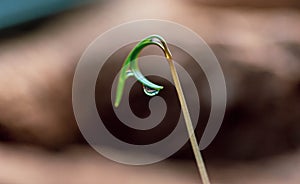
{"points": [[257, 44]]}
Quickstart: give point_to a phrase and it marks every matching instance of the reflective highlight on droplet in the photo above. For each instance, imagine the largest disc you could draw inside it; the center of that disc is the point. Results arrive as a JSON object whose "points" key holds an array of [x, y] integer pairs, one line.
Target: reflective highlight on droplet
{"points": [[150, 91]]}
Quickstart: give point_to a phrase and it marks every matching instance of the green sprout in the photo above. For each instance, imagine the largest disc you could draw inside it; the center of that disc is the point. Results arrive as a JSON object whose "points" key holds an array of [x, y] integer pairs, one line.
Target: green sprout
{"points": [[131, 68]]}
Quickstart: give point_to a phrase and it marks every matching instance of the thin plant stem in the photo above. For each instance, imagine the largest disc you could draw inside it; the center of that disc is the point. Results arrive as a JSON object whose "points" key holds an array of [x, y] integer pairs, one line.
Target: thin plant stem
{"points": [[189, 125]]}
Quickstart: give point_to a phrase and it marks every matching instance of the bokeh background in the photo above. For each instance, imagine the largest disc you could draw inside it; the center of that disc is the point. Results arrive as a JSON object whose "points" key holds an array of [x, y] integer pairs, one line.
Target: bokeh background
{"points": [[256, 42]]}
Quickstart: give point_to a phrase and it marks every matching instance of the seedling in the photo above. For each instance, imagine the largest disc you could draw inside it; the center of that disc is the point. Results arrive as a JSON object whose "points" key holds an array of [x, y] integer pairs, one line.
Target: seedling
{"points": [[131, 68]]}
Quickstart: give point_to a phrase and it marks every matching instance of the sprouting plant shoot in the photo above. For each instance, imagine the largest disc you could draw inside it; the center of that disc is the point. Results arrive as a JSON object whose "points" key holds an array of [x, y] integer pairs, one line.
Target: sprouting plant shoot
{"points": [[131, 68]]}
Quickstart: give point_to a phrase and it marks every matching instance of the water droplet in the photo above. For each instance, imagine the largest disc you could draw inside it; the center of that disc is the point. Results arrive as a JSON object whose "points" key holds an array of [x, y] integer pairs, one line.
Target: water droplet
{"points": [[129, 73], [150, 91]]}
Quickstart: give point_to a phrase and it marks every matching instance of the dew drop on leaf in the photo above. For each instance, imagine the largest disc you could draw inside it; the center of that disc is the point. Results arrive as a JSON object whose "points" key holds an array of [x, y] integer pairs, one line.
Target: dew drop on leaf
{"points": [[150, 91]]}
